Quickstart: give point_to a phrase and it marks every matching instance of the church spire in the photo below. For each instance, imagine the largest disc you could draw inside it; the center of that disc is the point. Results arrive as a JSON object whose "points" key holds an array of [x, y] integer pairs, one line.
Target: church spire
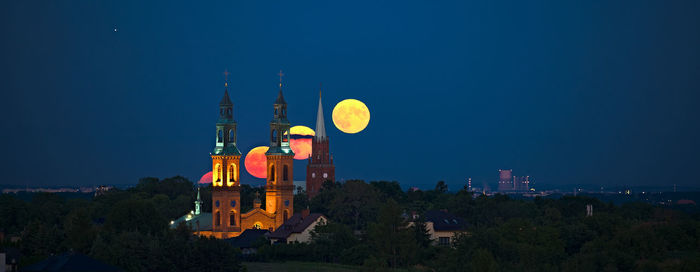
{"points": [[320, 126]]}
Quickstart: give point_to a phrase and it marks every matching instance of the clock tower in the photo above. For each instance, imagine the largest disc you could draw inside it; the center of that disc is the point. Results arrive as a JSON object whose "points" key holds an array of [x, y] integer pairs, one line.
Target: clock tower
{"points": [[320, 167]]}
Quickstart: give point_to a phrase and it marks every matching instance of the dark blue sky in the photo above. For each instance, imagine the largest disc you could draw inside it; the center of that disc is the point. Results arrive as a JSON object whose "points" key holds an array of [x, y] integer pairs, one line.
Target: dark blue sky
{"points": [[594, 92]]}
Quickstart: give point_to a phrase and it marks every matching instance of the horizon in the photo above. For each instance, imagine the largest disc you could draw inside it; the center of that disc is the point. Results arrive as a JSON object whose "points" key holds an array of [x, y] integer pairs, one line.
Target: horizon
{"points": [[566, 93]]}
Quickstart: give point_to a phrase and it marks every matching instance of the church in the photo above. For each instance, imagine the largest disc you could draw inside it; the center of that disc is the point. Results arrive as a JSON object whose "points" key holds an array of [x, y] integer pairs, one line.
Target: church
{"points": [[226, 219]]}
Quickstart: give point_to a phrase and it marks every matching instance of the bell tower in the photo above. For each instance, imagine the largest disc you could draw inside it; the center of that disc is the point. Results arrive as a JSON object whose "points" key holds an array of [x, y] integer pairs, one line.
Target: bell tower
{"points": [[279, 190], [320, 167], [226, 158]]}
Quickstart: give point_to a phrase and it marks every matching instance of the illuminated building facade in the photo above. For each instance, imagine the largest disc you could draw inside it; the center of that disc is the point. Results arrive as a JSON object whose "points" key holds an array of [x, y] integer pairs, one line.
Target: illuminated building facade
{"points": [[227, 219], [320, 167]]}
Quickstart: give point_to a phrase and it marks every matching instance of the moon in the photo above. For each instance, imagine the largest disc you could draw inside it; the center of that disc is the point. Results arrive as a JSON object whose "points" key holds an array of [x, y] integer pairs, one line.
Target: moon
{"points": [[300, 141], [351, 116], [256, 162], [206, 178]]}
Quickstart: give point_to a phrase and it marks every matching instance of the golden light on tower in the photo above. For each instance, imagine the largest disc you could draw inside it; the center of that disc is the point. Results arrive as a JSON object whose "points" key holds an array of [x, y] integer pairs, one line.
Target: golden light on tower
{"points": [[256, 162], [351, 116], [300, 142]]}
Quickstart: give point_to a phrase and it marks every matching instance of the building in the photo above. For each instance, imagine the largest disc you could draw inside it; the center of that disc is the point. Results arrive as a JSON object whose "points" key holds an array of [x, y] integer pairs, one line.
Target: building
{"points": [[320, 167], [227, 218], [298, 228], [505, 180], [195, 219], [443, 226], [247, 242], [509, 183]]}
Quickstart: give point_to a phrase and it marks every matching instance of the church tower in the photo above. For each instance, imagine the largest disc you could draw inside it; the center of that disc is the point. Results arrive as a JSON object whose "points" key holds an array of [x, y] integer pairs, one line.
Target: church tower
{"points": [[279, 190], [320, 167], [226, 160]]}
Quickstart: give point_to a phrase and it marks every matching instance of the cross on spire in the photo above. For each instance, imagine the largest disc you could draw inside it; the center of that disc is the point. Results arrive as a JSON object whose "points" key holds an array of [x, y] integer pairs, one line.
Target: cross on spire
{"points": [[226, 73], [281, 75]]}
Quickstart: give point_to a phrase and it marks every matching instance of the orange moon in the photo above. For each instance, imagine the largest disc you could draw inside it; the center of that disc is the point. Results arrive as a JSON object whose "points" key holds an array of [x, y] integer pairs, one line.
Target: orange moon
{"points": [[351, 116], [256, 162], [206, 178], [300, 141]]}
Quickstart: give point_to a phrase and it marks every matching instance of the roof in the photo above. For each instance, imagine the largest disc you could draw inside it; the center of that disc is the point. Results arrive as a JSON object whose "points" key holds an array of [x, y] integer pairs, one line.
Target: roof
{"points": [[295, 224], [320, 126], [247, 238], [444, 221], [73, 262], [226, 150], [280, 98], [226, 100], [205, 221]]}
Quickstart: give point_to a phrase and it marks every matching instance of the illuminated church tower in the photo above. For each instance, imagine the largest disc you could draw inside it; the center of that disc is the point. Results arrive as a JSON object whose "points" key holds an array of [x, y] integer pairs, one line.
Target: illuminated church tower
{"points": [[226, 160], [320, 167], [279, 190]]}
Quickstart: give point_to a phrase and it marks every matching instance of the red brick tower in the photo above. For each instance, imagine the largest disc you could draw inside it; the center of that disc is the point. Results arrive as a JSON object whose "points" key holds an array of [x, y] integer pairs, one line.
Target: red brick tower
{"points": [[320, 167]]}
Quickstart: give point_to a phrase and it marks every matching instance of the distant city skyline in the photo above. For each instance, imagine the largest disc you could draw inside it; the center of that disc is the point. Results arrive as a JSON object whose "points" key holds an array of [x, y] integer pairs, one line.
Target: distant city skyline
{"points": [[566, 93]]}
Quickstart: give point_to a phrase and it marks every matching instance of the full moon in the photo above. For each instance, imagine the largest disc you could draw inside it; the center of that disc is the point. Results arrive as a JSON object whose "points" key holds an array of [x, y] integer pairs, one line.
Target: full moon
{"points": [[256, 162], [351, 116], [300, 141]]}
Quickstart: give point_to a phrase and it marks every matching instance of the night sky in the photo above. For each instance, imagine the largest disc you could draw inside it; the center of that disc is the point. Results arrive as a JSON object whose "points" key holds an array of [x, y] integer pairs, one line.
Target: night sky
{"points": [[594, 92]]}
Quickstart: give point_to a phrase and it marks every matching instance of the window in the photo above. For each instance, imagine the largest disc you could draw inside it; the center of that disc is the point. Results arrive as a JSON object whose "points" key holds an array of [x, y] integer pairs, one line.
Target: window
{"points": [[325, 175], [220, 136], [285, 173], [232, 219], [228, 111], [272, 173], [231, 135], [232, 177], [444, 241], [217, 220], [257, 225], [286, 215], [313, 175], [274, 135]]}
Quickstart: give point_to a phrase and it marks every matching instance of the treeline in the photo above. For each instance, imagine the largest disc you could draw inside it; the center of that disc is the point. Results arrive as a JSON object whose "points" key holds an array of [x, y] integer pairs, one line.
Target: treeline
{"points": [[368, 228], [126, 228]]}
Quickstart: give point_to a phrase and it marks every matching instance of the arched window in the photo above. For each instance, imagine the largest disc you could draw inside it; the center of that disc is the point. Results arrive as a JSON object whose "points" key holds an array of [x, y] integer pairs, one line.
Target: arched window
{"points": [[220, 136], [217, 220], [257, 225], [232, 219], [231, 135], [232, 177], [272, 173], [285, 173], [286, 215], [275, 111], [228, 112], [219, 174], [274, 135]]}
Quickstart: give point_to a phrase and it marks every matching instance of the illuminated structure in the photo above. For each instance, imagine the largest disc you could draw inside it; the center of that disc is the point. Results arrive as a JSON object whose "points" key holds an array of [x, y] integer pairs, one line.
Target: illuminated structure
{"points": [[320, 167], [227, 220], [509, 183]]}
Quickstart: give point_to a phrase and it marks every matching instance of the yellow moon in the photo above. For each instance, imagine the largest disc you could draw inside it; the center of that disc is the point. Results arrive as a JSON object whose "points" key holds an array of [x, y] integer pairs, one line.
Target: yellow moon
{"points": [[351, 116]]}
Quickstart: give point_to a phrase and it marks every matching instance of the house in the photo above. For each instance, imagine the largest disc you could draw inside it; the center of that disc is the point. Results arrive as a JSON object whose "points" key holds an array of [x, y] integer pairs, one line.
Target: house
{"points": [[443, 226], [298, 228], [246, 241]]}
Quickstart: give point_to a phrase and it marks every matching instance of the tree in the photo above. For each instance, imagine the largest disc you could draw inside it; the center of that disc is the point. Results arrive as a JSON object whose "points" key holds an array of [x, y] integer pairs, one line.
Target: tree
{"points": [[441, 187], [354, 204], [391, 239]]}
